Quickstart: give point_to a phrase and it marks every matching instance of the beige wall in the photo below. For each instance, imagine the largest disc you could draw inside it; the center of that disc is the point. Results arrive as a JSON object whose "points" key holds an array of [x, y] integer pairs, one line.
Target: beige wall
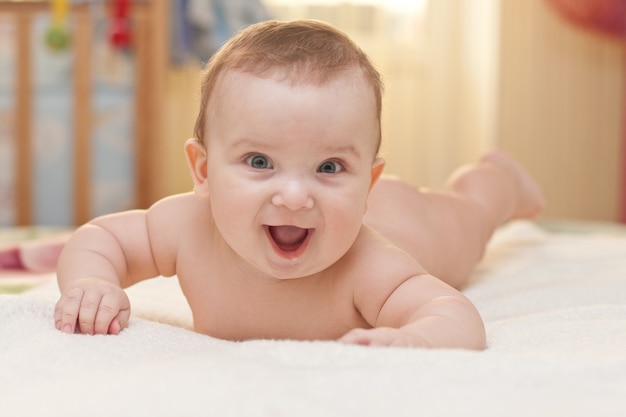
{"points": [[562, 109], [181, 108], [515, 76], [434, 87]]}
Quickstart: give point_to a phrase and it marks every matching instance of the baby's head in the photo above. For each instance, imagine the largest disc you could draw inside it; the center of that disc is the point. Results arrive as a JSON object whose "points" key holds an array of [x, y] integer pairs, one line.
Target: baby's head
{"points": [[303, 51]]}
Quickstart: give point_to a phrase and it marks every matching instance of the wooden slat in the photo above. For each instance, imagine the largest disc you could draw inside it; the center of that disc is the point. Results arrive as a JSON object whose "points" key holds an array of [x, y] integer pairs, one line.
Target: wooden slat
{"points": [[623, 183], [81, 42], [150, 31], [25, 7], [142, 146], [150, 27], [159, 61], [23, 166]]}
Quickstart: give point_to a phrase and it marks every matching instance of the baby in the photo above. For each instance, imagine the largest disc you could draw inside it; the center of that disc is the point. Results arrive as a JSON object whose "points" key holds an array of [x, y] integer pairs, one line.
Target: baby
{"points": [[290, 232]]}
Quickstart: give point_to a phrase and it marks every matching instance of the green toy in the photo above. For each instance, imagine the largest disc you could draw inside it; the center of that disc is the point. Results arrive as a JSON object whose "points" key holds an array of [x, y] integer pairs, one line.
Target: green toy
{"points": [[57, 36]]}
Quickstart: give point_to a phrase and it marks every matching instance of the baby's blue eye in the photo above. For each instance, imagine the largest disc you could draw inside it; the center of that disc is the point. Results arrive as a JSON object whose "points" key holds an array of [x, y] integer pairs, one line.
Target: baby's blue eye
{"points": [[258, 162], [330, 167]]}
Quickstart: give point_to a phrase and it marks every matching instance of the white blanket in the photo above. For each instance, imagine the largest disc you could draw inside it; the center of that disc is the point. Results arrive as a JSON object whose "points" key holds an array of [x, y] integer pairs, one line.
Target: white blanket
{"points": [[555, 312]]}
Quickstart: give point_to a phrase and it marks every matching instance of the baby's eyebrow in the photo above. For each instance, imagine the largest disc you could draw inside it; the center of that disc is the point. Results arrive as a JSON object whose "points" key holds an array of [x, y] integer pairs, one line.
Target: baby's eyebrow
{"points": [[251, 143], [344, 149], [268, 146]]}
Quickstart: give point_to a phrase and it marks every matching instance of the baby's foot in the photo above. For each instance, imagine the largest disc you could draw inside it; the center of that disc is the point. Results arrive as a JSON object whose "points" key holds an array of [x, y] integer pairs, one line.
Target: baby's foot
{"points": [[531, 201]]}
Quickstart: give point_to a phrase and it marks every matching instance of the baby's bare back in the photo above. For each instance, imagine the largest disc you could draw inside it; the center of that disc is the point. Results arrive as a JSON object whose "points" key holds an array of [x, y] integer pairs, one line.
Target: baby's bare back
{"points": [[447, 231]]}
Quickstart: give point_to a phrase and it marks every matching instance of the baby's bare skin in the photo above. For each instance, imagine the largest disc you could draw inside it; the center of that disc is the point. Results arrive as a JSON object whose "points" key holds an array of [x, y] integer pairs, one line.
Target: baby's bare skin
{"points": [[459, 219], [228, 302], [290, 233]]}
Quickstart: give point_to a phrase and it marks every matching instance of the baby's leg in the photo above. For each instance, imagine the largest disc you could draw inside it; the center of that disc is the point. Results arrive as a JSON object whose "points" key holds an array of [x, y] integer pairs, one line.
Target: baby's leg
{"points": [[447, 230]]}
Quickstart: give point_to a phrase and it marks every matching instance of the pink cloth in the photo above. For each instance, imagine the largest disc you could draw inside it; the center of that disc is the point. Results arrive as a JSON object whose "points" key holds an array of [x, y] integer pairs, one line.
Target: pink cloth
{"points": [[605, 16], [37, 255]]}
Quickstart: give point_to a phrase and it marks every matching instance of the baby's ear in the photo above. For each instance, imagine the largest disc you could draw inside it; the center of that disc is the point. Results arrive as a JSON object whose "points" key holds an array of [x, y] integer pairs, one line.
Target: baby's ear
{"points": [[377, 169], [197, 162]]}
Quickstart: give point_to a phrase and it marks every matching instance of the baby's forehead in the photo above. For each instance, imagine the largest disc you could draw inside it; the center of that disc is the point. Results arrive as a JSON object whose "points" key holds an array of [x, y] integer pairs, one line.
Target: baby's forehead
{"points": [[231, 82], [298, 74], [351, 81]]}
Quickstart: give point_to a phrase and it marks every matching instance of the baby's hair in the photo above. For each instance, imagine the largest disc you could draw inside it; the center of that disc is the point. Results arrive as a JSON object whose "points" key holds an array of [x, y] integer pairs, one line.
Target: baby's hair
{"points": [[305, 51]]}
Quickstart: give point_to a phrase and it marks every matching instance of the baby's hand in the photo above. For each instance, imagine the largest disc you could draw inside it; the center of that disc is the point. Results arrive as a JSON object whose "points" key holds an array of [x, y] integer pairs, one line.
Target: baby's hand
{"points": [[94, 306], [383, 336]]}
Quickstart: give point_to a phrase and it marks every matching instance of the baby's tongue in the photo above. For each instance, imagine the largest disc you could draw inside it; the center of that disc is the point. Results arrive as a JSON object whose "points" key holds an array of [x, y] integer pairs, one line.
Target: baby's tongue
{"points": [[288, 237]]}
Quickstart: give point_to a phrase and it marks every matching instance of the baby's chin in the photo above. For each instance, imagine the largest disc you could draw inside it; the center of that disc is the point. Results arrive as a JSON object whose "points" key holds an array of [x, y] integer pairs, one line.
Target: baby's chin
{"points": [[302, 267]]}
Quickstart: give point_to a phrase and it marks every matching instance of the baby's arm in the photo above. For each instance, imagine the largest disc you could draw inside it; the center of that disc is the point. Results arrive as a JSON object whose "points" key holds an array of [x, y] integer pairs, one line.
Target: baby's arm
{"points": [[422, 312], [100, 259]]}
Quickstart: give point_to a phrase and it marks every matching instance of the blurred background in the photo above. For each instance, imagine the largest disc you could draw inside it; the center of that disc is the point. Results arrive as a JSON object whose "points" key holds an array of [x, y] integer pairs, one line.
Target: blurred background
{"points": [[97, 97]]}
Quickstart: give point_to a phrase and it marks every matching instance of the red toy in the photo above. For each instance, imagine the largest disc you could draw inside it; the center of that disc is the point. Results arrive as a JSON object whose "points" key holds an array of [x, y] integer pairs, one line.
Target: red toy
{"points": [[119, 31]]}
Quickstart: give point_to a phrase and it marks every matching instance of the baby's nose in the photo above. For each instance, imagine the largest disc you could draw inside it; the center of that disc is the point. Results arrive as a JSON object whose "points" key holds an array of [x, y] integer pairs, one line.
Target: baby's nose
{"points": [[293, 194]]}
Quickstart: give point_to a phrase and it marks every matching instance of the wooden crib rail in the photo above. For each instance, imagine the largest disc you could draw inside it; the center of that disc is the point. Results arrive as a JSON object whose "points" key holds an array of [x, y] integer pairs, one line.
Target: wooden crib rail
{"points": [[149, 32]]}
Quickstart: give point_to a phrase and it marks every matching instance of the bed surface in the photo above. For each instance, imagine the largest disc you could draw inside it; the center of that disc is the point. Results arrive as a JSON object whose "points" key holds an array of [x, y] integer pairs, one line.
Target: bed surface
{"points": [[554, 306]]}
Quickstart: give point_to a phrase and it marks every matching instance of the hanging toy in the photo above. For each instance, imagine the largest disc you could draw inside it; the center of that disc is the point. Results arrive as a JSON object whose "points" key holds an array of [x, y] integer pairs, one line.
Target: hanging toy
{"points": [[57, 36], [119, 30]]}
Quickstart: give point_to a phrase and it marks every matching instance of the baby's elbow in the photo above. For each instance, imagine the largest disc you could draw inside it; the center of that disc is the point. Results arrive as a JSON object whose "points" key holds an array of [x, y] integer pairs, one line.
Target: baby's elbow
{"points": [[471, 326], [478, 341], [476, 336]]}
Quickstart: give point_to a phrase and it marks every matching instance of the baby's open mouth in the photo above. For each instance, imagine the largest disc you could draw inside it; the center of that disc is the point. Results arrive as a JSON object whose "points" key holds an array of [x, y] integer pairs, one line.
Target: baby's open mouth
{"points": [[289, 239]]}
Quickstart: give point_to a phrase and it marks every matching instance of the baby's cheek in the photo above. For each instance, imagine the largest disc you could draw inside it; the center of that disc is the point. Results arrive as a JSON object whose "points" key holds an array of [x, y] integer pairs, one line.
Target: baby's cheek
{"points": [[348, 227]]}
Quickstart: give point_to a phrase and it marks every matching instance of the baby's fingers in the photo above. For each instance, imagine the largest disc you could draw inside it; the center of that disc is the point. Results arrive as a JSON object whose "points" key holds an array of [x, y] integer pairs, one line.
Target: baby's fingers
{"points": [[112, 315], [92, 311], [382, 336], [66, 310], [363, 337], [89, 307]]}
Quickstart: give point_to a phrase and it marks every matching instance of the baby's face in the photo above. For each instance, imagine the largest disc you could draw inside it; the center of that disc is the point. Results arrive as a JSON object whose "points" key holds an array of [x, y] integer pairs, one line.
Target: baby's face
{"points": [[289, 169]]}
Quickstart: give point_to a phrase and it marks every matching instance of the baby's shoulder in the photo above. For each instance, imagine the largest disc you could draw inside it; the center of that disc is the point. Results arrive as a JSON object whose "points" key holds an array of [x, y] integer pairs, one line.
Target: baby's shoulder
{"points": [[174, 202], [173, 224], [176, 210], [376, 269], [373, 257]]}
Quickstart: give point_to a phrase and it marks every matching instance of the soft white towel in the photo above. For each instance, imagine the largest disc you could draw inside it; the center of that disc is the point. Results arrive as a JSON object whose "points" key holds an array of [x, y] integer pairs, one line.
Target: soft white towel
{"points": [[554, 308]]}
